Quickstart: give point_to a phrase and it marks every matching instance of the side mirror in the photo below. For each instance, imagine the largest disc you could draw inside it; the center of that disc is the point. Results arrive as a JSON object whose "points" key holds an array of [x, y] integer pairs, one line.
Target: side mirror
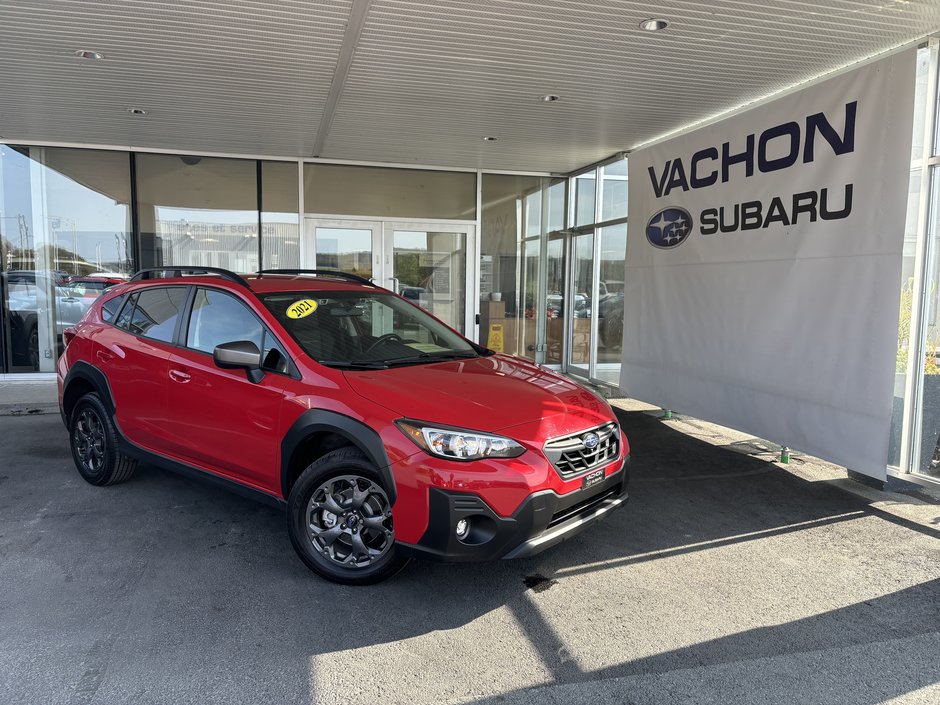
{"points": [[241, 354]]}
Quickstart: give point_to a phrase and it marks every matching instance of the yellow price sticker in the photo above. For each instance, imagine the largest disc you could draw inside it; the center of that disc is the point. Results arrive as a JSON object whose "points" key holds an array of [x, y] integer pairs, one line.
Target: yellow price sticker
{"points": [[301, 308]]}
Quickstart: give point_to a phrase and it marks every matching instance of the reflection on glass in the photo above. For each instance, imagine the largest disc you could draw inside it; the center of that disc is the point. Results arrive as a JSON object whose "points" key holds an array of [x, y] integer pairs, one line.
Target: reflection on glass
{"points": [[930, 369], [531, 289], [613, 253], [198, 211], [904, 320], [431, 271], [65, 236], [555, 328], [533, 213], [584, 194], [614, 193], [580, 352], [280, 223], [512, 210], [555, 206], [345, 250]]}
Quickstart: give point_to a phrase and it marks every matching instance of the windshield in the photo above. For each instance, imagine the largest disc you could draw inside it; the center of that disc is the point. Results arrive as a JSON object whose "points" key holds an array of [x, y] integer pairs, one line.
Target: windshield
{"points": [[365, 330]]}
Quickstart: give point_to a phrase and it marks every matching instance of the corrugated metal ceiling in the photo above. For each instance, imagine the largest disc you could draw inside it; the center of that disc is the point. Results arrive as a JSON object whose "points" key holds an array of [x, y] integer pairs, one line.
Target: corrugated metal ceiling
{"points": [[425, 81]]}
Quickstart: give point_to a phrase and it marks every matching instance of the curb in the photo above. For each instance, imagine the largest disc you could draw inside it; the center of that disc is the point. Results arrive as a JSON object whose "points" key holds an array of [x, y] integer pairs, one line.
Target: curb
{"points": [[28, 409]]}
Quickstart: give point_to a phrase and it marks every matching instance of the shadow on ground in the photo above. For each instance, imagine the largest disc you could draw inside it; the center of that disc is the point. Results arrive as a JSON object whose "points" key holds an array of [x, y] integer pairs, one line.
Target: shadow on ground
{"points": [[133, 592]]}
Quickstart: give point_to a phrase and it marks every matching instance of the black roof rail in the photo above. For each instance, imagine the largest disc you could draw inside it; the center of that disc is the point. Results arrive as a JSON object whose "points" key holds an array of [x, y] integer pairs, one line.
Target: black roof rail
{"points": [[178, 271], [322, 273]]}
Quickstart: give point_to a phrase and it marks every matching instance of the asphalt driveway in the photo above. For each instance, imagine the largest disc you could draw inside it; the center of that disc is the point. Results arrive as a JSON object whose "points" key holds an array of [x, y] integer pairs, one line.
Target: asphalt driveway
{"points": [[725, 579]]}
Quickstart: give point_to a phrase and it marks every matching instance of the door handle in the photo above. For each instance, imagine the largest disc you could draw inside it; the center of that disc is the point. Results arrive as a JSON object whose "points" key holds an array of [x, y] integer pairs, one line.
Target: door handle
{"points": [[104, 356], [180, 376]]}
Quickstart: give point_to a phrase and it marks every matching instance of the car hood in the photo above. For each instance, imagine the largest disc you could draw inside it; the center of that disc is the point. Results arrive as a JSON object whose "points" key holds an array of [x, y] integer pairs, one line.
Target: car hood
{"points": [[484, 394]]}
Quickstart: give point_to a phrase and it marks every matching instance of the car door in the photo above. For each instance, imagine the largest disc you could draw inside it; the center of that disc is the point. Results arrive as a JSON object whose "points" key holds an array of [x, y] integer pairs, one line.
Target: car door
{"points": [[134, 354], [219, 419]]}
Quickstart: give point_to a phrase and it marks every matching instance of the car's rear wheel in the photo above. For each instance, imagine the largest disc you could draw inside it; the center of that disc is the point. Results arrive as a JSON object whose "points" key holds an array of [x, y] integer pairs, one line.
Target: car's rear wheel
{"points": [[340, 520], [94, 444]]}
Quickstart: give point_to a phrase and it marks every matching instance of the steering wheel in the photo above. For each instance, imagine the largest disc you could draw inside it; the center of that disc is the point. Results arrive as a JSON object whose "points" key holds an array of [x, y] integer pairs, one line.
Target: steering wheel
{"points": [[381, 340]]}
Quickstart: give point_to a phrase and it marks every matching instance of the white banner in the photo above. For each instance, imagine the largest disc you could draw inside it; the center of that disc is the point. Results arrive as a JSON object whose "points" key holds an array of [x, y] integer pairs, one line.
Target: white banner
{"points": [[764, 262]]}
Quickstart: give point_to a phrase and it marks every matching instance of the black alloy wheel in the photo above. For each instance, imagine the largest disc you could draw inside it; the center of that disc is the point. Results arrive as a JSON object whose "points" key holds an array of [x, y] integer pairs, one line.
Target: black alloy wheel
{"points": [[93, 439], [340, 520]]}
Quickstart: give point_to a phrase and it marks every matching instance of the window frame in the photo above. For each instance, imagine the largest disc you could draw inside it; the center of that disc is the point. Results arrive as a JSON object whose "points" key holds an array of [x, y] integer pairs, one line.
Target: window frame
{"points": [[131, 298]]}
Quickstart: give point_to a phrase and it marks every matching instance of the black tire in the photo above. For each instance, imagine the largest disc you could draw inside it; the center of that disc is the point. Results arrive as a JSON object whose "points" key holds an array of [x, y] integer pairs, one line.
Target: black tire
{"points": [[93, 439], [326, 541]]}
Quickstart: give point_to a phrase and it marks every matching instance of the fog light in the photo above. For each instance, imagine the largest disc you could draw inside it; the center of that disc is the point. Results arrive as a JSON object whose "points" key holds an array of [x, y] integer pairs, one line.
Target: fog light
{"points": [[463, 528]]}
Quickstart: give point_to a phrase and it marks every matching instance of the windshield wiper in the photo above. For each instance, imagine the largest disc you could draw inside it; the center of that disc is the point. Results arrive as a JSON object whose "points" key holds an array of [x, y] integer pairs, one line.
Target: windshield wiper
{"points": [[377, 365], [431, 357], [410, 360]]}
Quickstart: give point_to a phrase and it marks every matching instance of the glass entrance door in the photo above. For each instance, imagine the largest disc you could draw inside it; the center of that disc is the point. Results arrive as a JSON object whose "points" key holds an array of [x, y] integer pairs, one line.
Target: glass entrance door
{"points": [[343, 245], [429, 268], [434, 265], [594, 320]]}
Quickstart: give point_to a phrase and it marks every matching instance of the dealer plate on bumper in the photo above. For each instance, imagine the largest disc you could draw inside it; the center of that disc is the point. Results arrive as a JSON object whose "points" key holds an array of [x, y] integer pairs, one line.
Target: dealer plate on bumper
{"points": [[592, 478]]}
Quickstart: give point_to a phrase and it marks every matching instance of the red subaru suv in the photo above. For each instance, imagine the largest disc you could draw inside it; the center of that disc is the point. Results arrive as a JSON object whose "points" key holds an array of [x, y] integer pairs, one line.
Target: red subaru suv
{"points": [[383, 432]]}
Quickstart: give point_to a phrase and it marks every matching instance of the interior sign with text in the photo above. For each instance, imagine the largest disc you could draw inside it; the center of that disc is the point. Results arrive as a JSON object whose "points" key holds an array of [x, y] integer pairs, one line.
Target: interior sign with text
{"points": [[764, 261]]}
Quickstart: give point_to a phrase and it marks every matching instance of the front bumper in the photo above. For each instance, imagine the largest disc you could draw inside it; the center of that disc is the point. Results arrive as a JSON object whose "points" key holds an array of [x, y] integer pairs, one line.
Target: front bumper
{"points": [[543, 520]]}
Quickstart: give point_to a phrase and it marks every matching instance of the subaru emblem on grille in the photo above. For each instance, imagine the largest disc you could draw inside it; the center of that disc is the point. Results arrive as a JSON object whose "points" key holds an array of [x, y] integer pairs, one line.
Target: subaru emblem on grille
{"points": [[590, 440]]}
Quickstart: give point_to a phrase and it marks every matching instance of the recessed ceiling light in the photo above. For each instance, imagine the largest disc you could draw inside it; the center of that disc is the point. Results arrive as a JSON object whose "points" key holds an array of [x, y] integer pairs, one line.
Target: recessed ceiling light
{"points": [[489, 138], [654, 25], [137, 111], [550, 98], [89, 54]]}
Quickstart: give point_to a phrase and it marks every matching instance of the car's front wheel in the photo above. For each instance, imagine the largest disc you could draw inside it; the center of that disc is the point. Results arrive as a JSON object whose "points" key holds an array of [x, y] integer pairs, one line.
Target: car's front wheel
{"points": [[340, 520], [94, 444]]}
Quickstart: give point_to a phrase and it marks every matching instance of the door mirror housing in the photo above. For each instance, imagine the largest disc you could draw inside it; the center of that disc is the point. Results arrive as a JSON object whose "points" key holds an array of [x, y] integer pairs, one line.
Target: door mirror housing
{"points": [[240, 354]]}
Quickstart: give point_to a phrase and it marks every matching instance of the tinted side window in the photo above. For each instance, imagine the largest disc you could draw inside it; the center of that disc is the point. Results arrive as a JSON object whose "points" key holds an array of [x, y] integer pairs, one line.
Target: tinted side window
{"points": [[219, 318], [124, 320], [110, 308], [157, 312]]}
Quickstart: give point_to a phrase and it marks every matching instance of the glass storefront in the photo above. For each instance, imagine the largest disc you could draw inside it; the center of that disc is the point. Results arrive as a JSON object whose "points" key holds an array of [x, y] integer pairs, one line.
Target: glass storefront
{"points": [[65, 236], [597, 245], [77, 221], [513, 220], [198, 211], [914, 442], [609, 339], [280, 215], [333, 189]]}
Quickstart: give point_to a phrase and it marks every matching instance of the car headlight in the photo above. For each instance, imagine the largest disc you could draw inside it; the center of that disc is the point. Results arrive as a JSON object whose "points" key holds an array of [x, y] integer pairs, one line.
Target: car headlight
{"points": [[459, 444]]}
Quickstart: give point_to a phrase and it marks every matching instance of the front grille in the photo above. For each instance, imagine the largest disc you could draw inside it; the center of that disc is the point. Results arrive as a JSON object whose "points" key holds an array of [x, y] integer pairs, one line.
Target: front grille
{"points": [[571, 456], [582, 507]]}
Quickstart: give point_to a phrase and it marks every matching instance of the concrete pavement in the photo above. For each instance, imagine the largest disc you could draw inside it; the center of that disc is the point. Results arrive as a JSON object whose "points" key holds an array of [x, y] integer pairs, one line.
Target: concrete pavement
{"points": [[725, 579], [24, 398]]}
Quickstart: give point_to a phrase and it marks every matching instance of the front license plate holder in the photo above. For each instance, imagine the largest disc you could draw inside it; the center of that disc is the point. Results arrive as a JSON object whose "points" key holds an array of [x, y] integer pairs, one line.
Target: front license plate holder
{"points": [[592, 478]]}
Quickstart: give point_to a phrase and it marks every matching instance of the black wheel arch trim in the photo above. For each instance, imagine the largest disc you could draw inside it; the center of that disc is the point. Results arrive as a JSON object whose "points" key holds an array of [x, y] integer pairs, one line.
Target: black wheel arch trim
{"points": [[365, 438], [92, 375]]}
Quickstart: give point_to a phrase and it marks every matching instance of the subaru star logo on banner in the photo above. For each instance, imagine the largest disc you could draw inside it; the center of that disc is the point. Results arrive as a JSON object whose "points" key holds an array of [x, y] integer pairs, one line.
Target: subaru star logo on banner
{"points": [[669, 227], [764, 294]]}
